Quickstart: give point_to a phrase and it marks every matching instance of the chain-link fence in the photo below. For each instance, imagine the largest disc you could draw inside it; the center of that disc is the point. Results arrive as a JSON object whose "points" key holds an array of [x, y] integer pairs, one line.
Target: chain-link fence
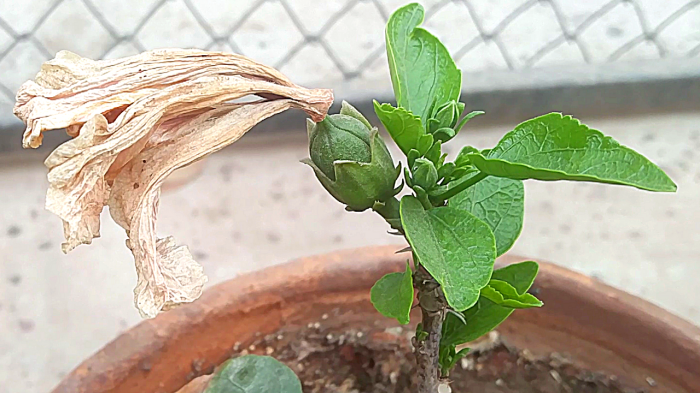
{"points": [[336, 42]]}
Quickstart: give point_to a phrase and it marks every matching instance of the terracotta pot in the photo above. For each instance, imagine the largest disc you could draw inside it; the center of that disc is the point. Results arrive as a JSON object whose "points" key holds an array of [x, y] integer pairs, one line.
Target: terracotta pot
{"points": [[601, 328]]}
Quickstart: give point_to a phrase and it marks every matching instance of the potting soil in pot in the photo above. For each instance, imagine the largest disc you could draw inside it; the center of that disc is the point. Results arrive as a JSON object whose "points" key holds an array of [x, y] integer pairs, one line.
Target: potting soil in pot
{"points": [[382, 362]]}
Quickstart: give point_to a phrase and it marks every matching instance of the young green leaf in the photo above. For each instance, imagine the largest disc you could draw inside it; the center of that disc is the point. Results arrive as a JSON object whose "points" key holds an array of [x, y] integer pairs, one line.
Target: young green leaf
{"points": [[462, 159], [412, 156], [504, 294], [499, 202], [487, 315], [405, 128], [423, 74], [446, 170], [455, 247], [433, 154], [444, 134], [466, 118], [449, 356], [392, 295], [254, 374], [556, 147]]}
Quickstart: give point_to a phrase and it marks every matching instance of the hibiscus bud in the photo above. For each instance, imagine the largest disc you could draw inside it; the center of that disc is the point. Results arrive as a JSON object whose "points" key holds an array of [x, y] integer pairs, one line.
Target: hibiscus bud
{"points": [[351, 160]]}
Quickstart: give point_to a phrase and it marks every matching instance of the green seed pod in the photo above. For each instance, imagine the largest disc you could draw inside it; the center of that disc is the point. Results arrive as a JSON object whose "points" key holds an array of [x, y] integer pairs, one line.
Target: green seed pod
{"points": [[351, 160]]}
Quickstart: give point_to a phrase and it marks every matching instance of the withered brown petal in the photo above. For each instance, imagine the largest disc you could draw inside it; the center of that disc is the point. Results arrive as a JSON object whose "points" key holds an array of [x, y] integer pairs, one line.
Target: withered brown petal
{"points": [[166, 108]]}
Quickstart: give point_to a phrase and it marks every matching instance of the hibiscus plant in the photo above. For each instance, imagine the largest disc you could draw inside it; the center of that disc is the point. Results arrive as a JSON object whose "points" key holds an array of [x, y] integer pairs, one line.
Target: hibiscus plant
{"points": [[458, 216], [136, 120]]}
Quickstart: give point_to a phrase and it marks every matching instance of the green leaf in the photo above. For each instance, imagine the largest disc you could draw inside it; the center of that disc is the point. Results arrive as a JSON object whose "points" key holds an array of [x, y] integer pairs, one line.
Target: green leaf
{"points": [[412, 156], [499, 202], [446, 170], [444, 134], [520, 275], [449, 356], [392, 295], [254, 374], [556, 147], [460, 172], [433, 154], [423, 74], [466, 118], [405, 128], [462, 159], [487, 315], [503, 294], [455, 247]]}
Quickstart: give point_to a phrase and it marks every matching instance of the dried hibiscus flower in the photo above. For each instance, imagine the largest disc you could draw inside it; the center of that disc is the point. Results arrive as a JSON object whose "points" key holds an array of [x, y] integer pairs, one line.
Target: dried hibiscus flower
{"points": [[134, 121]]}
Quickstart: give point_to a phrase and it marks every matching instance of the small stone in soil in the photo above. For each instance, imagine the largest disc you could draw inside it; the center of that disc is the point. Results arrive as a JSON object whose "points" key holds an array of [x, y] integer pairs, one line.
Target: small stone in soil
{"points": [[555, 375], [467, 364]]}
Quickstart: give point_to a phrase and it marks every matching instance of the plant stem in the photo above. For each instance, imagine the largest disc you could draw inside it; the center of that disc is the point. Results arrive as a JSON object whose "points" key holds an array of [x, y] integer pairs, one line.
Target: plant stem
{"points": [[427, 347], [461, 186], [389, 210]]}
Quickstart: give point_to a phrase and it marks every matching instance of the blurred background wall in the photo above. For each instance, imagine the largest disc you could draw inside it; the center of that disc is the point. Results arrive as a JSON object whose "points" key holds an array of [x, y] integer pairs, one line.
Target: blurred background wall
{"points": [[630, 68]]}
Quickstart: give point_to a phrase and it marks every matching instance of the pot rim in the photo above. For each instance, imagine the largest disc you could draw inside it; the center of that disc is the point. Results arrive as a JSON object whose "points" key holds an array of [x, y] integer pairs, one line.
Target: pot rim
{"points": [[129, 358]]}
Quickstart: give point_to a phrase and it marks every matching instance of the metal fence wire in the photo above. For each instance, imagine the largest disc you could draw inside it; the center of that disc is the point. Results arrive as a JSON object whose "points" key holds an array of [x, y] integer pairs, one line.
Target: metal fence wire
{"points": [[336, 41]]}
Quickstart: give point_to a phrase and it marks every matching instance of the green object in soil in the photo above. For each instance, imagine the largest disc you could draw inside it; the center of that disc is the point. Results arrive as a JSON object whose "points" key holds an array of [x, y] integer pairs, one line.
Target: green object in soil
{"points": [[254, 374]]}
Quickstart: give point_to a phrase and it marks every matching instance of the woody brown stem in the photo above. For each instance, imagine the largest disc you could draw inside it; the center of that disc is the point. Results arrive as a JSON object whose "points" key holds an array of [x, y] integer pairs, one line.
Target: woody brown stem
{"points": [[427, 344]]}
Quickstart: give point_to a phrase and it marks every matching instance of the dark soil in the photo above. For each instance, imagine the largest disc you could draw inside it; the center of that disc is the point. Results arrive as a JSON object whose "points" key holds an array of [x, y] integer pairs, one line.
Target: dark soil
{"points": [[355, 363]]}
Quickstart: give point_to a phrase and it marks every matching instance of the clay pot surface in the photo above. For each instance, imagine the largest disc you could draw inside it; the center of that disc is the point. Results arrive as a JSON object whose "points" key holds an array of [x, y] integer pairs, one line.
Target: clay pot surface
{"points": [[601, 328]]}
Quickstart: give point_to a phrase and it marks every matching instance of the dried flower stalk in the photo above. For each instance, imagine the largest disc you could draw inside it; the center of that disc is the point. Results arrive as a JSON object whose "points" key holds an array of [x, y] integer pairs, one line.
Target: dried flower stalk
{"points": [[134, 121]]}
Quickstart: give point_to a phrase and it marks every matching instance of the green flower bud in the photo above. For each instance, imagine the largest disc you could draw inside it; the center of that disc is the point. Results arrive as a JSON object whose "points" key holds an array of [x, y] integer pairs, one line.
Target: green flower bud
{"points": [[349, 110], [351, 160], [338, 138], [424, 174], [446, 116]]}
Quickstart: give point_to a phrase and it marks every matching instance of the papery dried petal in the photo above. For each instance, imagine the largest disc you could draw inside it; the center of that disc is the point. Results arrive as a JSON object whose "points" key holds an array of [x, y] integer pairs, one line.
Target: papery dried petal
{"points": [[134, 121], [71, 89], [167, 273]]}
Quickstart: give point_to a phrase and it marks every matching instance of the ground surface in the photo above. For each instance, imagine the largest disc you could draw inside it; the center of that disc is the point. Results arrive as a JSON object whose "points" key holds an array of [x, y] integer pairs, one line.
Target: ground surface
{"points": [[254, 206]]}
